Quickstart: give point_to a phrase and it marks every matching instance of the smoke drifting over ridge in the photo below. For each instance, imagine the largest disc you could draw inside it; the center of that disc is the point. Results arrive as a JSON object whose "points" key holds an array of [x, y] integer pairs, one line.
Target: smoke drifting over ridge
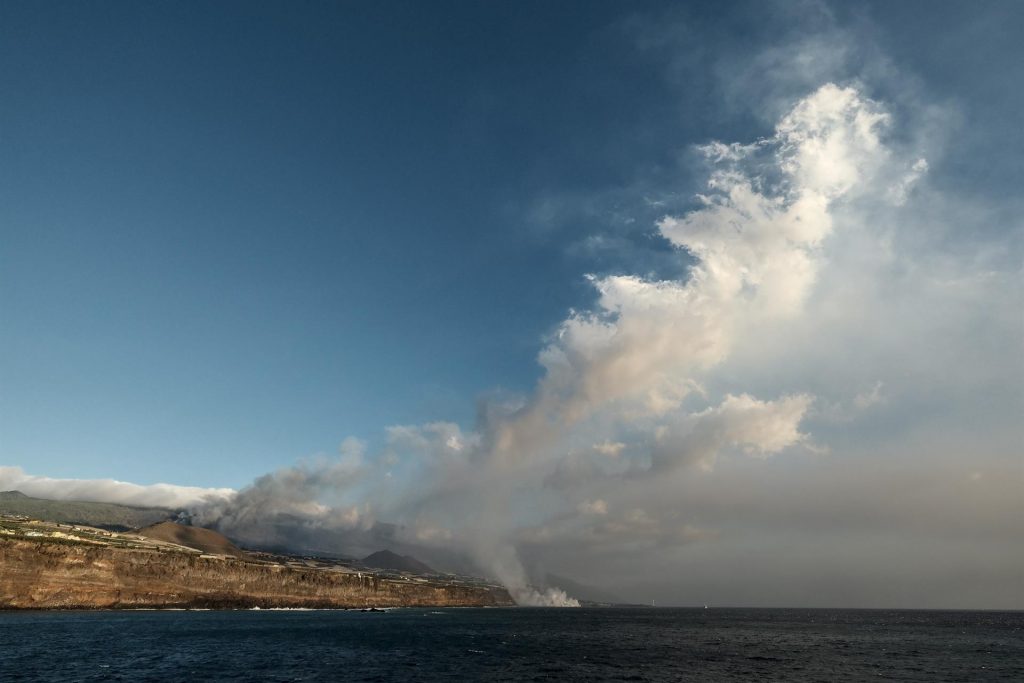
{"points": [[647, 432]]}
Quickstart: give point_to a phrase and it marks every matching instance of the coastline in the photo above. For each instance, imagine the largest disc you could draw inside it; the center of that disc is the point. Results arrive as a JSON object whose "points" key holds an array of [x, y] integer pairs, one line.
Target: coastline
{"points": [[54, 574]]}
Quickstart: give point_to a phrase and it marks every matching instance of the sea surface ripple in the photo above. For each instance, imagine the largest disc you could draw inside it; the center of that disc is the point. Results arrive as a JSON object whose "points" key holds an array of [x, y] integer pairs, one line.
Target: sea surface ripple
{"points": [[513, 645]]}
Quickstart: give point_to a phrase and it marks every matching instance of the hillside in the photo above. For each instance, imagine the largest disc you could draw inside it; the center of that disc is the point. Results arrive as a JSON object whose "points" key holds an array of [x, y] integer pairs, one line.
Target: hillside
{"points": [[385, 559], [52, 570], [206, 540], [103, 515]]}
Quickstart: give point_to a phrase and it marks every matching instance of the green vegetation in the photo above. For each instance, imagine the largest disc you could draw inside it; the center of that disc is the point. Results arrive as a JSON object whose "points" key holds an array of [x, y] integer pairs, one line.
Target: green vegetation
{"points": [[103, 515]]}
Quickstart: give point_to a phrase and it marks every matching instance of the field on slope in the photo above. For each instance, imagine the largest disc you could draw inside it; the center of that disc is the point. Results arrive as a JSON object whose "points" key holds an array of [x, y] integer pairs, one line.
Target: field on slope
{"points": [[102, 515], [206, 540]]}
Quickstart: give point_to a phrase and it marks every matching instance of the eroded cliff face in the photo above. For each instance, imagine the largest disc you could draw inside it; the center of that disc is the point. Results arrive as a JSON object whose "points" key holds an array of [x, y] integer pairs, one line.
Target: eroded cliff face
{"points": [[48, 575]]}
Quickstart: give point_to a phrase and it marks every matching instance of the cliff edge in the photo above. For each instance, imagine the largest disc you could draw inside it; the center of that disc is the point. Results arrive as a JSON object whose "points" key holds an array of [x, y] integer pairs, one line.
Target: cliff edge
{"points": [[46, 567]]}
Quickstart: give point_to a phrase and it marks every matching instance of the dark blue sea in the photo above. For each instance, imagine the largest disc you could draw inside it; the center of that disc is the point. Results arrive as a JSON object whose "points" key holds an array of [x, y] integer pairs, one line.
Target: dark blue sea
{"points": [[513, 645]]}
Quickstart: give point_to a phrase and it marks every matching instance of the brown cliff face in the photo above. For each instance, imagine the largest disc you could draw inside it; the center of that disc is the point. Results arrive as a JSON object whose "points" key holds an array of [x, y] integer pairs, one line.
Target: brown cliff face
{"points": [[48, 575]]}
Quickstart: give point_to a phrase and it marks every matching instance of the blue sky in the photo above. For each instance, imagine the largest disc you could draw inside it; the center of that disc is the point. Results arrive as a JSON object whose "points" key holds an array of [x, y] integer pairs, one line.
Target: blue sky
{"points": [[237, 233], [233, 235]]}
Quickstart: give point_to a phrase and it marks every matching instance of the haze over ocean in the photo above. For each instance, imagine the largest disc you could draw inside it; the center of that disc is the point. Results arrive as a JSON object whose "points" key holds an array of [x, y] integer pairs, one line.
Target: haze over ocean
{"points": [[700, 303]]}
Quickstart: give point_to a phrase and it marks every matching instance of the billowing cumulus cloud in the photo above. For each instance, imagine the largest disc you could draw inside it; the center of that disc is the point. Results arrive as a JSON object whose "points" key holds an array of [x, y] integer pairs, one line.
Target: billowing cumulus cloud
{"points": [[759, 428]]}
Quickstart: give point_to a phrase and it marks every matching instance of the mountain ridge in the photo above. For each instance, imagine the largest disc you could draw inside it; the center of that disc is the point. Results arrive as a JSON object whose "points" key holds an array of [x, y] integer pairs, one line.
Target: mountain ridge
{"points": [[112, 516], [385, 559]]}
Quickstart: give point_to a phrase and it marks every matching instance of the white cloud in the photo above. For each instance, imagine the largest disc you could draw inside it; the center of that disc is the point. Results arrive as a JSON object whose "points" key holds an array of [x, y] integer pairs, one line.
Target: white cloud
{"points": [[900, 190], [758, 256], [758, 428], [865, 400], [593, 507], [612, 449], [110, 490]]}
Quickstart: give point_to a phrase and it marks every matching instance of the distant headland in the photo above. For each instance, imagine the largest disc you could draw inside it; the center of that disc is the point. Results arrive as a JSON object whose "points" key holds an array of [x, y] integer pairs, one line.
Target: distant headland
{"points": [[64, 562]]}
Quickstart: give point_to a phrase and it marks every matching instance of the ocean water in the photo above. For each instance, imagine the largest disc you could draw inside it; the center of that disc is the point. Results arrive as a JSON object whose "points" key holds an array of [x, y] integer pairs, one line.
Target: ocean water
{"points": [[513, 645]]}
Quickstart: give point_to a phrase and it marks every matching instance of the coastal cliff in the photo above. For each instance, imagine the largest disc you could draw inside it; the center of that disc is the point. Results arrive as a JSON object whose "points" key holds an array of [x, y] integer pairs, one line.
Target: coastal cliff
{"points": [[45, 574]]}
